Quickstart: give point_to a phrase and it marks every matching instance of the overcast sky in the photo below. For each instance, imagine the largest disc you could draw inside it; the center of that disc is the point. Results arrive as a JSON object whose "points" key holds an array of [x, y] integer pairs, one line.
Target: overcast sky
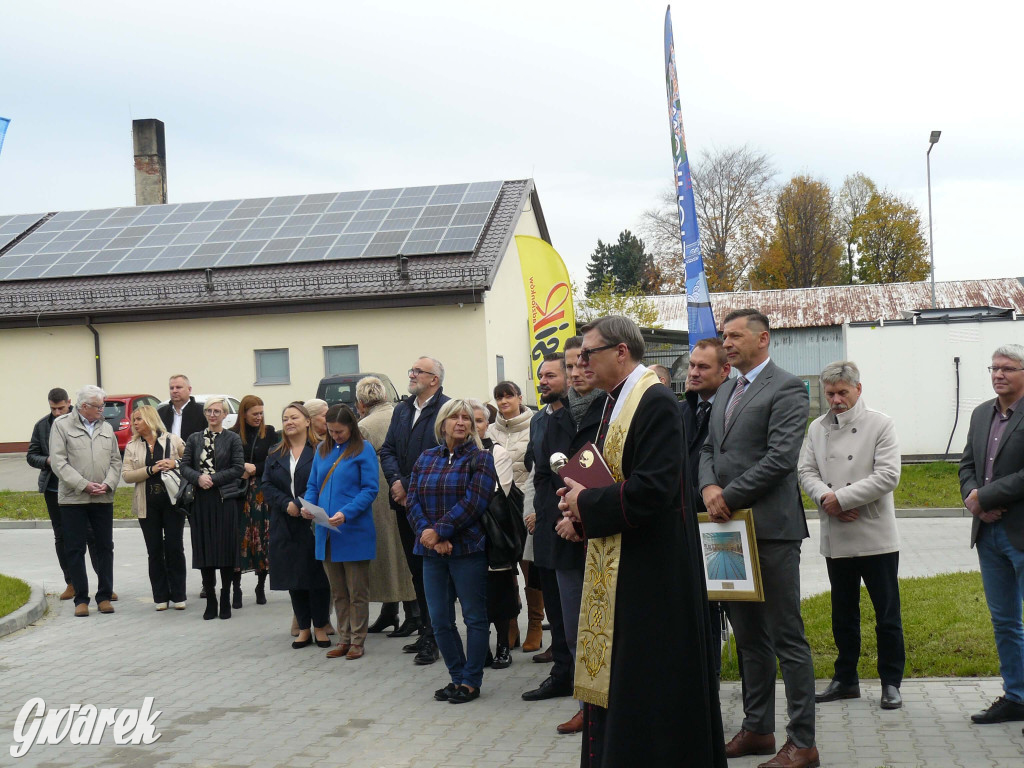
{"points": [[265, 99]]}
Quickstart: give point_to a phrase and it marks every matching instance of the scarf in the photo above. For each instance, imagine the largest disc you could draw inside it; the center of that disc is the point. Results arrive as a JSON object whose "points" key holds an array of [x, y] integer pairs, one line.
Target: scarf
{"points": [[578, 404], [206, 463]]}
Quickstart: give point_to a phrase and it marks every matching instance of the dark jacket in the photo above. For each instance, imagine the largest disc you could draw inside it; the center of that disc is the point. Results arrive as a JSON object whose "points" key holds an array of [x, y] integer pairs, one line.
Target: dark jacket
{"points": [[256, 448], [405, 442], [292, 556], [39, 452], [192, 418], [693, 439], [227, 458]]}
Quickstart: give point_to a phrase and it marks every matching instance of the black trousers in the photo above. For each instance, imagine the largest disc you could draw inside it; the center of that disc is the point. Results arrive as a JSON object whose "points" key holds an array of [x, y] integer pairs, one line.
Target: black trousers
{"points": [[78, 520], [562, 671], [879, 575], [415, 562], [53, 510], [311, 605], [163, 528]]}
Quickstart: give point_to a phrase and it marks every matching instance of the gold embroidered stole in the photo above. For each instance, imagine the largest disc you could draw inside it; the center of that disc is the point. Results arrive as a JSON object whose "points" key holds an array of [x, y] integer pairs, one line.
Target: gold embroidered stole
{"points": [[601, 573]]}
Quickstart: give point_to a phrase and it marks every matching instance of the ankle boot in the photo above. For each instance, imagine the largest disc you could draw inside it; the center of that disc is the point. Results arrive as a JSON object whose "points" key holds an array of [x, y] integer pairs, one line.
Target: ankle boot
{"points": [[211, 604], [535, 611], [502, 657], [225, 603], [236, 590], [412, 621], [261, 591], [388, 618]]}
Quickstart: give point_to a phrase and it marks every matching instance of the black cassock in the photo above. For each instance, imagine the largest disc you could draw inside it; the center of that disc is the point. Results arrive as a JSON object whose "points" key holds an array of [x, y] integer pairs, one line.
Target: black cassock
{"points": [[663, 705]]}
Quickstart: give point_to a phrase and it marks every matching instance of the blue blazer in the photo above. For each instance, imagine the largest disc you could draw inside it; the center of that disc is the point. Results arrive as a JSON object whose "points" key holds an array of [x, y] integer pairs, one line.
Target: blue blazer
{"points": [[351, 489]]}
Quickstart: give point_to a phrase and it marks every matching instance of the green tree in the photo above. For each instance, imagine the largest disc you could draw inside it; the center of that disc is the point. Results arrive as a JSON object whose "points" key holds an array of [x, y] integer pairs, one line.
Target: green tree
{"points": [[891, 245], [854, 196], [609, 299], [626, 261]]}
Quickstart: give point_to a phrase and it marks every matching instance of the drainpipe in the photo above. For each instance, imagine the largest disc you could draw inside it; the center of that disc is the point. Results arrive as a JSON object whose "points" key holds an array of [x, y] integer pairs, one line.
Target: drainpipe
{"points": [[96, 349]]}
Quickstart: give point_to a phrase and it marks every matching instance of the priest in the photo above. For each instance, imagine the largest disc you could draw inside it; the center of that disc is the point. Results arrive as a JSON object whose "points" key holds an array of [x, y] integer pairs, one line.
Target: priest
{"points": [[643, 650]]}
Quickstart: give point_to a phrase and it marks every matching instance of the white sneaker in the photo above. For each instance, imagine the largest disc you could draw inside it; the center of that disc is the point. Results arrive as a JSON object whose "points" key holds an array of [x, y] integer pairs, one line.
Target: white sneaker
{"points": [[179, 606], [161, 606]]}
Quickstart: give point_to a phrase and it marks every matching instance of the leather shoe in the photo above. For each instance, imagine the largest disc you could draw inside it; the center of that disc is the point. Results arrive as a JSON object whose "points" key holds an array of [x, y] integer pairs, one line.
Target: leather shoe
{"points": [[549, 689], [82, 609], [338, 651], [410, 625], [891, 698], [68, 593], [443, 694], [792, 756], [428, 652], [749, 743], [355, 652], [836, 691], [414, 647], [573, 725], [1002, 711], [544, 658], [105, 607], [463, 694]]}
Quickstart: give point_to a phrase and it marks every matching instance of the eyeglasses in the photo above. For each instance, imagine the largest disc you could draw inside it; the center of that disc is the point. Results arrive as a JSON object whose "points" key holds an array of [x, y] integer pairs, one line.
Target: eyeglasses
{"points": [[214, 412], [1003, 369], [586, 353], [420, 372], [98, 407]]}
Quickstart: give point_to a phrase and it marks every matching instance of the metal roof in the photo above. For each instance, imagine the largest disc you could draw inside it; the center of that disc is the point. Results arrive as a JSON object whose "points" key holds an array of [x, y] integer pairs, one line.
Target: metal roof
{"points": [[386, 281], [836, 304]]}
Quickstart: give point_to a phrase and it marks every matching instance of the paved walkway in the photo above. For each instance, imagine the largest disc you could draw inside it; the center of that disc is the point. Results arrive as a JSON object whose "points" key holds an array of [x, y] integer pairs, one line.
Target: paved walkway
{"points": [[234, 693]]}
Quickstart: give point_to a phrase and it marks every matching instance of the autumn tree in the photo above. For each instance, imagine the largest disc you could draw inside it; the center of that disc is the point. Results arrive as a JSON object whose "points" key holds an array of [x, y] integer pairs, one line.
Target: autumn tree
{"points": [[854, 196], [626, 262], [890, 240], [732, 191], [610, 299], [806, 245]]}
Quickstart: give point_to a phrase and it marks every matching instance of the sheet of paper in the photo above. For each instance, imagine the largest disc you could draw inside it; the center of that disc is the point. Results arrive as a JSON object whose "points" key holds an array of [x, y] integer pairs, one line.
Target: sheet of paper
{"points": [[320, 516]]}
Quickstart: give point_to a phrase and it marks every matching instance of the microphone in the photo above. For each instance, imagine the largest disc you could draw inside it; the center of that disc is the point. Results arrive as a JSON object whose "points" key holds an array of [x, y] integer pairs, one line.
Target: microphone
{"points": [[558, 460]]}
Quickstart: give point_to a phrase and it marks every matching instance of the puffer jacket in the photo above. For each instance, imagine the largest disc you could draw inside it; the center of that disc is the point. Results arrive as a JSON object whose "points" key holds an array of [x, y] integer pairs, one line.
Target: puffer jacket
{"points": [[514, 436]]}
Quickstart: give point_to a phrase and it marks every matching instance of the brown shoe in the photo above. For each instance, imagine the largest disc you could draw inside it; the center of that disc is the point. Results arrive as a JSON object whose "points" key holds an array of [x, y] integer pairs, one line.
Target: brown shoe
{"points": [[355, 652], [749, 743], [82, 609], [106, 607], [338, 651], [68, 593], [573, 725], [535, 611], [113, 596], [792, 756], [544, 658]]}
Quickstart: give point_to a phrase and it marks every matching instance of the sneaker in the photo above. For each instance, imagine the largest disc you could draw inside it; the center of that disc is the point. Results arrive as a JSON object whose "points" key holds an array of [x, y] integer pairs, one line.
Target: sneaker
{"points": [[178, 606], [161, 606]]}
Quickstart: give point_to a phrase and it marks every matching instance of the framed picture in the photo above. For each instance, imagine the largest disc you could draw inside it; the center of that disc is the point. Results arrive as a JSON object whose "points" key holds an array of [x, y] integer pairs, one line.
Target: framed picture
{"points": [[730, 558]]}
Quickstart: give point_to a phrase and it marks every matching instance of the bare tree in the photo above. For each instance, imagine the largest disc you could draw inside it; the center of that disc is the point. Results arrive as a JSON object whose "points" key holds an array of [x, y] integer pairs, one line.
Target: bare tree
{"points": [[732, 190], [854, 196]]}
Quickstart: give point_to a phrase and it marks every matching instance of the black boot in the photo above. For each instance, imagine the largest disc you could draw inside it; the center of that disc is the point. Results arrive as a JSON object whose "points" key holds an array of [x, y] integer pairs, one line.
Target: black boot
{"points": [[412, 621], [502, 653], [227, 577], [388, 618], [236, 589], [261, 592], [210, 593]]}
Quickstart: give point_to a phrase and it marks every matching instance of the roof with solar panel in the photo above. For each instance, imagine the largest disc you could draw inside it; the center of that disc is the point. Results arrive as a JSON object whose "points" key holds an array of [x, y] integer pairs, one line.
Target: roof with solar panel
{"points": [[343, 246]]}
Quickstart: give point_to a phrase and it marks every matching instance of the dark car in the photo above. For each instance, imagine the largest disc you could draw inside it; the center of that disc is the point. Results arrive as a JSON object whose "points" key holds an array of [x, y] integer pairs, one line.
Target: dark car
{"points": [[117, 412], [341, 388]]}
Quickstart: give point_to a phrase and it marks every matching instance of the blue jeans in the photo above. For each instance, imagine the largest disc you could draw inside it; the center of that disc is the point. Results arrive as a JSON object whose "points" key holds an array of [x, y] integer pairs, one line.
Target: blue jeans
{"points": [[1002, 573], [463, 577]]}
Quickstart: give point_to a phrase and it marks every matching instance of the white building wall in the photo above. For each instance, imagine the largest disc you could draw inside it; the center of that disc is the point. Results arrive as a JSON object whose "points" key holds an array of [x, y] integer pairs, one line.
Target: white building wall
{"points": [[908, 372]]}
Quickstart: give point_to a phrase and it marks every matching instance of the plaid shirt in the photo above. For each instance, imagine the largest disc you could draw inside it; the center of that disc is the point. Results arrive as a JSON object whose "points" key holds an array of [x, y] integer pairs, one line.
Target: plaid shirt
{"points": [[446, 494]]}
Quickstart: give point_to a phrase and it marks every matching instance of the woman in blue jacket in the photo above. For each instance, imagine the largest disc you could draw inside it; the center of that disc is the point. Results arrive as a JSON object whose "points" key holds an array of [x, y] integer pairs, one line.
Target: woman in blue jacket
{"points": [[344, 482]]}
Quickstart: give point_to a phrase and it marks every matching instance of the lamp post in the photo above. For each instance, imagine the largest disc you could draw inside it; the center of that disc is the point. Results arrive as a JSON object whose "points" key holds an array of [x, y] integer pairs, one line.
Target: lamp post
{"points": [[932, 141]]}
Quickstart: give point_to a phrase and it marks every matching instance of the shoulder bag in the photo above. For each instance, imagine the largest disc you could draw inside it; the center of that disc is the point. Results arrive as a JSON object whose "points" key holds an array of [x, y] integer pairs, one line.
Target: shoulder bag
{"points": [[504, 528], [181, 492]]}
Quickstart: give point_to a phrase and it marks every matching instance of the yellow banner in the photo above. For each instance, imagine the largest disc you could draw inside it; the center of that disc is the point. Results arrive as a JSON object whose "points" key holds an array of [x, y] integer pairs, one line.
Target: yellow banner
{"points": [[548, 299]]}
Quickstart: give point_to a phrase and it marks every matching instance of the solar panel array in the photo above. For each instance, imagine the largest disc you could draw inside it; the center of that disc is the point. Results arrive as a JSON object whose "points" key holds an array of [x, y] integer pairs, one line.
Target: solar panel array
{"points": [[448, 218]]}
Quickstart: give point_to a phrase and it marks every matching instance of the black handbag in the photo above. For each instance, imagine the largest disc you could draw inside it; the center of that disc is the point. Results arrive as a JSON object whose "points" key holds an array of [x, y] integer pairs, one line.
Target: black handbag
{"points": [[504, 528], [234, 490]]}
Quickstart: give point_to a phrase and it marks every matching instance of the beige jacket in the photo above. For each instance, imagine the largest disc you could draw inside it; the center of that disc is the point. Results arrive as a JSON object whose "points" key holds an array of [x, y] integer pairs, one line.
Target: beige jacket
{"points": [[514, 437], [134, 468], [78, 458], [858, 459]]}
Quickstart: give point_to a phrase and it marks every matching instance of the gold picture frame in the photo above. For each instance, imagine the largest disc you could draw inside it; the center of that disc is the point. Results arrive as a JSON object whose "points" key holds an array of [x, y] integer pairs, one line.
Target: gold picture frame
{"points": [[731, 568]]}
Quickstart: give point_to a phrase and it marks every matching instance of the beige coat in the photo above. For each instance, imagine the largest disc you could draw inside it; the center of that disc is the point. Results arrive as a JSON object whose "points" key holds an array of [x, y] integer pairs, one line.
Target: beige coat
{"points": [[78, 458], [390, 580], [134, 467], [858, 459]]}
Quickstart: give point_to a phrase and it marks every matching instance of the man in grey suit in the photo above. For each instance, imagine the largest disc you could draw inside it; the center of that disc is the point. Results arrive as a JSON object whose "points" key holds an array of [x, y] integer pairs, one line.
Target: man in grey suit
{"points": [[756, 428], [992, 487]]}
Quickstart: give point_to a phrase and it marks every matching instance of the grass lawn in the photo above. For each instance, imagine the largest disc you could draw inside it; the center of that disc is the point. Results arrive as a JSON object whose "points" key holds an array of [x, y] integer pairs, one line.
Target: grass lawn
{"points": [[923, 485], [946, 627], [29, 505], [14, 593]]}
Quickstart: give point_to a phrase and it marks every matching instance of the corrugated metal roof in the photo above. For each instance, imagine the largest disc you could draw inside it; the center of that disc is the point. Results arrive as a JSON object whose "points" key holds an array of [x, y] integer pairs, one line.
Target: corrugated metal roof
{"points": [[836, 304]]}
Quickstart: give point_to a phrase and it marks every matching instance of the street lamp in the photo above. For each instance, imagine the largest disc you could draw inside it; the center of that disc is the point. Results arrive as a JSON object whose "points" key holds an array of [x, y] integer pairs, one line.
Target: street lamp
{"points": [[932, 141]]}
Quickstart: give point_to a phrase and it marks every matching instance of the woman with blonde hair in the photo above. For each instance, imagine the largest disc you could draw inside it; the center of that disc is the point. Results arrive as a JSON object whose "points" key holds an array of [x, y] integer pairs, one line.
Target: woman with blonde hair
{"points": [[151, 452]]}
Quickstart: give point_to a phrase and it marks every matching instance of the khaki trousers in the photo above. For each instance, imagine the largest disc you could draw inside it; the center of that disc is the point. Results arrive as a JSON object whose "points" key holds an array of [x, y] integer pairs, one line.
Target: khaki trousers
{"points": [[350, 590]]}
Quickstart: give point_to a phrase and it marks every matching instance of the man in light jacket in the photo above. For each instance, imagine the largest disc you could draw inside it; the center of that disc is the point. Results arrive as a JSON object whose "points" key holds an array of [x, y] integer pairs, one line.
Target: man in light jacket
{"points": [[850, 466], [85, 458]]}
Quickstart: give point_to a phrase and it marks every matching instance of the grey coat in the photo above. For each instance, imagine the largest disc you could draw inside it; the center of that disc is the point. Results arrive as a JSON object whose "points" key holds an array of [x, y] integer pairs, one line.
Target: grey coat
{"points": [[78, 458]]}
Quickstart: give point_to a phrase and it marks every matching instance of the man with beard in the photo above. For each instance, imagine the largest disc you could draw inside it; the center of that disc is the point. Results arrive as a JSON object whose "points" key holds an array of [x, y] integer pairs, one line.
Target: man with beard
{"points": [[410, 434]]}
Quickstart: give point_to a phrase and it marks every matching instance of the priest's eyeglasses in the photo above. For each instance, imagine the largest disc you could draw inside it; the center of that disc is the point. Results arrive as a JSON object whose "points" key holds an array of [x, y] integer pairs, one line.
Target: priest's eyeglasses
{"points": [[586, 353]]}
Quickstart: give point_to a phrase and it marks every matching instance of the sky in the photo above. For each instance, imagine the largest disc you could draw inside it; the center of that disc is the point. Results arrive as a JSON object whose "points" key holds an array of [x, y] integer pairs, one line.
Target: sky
{"points": [[264, 99]]}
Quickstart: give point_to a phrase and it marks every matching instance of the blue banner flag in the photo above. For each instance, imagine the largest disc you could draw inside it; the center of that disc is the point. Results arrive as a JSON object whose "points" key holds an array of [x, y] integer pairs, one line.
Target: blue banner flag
{"points": [[700, 320], [4, 122]]}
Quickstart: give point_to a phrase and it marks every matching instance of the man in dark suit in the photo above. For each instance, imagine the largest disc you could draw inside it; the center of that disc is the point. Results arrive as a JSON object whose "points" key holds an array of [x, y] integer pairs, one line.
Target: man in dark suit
{"points": [[756, 429], [992, 487], [182, 415]]}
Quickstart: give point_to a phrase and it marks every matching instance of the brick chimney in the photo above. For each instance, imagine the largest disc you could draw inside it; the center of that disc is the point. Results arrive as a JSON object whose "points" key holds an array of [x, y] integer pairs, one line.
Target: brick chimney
{"points": [[150, 162]]}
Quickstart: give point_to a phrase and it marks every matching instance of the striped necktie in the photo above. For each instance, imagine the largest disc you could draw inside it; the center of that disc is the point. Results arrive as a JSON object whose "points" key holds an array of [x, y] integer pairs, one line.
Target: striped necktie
{"points": [[737, 395]]}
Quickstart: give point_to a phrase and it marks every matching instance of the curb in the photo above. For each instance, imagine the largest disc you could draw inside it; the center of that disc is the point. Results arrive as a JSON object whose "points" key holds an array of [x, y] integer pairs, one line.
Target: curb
{"points": [[29, 613]]}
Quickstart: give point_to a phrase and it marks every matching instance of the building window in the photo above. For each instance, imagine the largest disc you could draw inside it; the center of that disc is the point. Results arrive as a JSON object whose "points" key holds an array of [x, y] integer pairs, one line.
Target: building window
{"points": [[339, 360], [501, 367], [272, 366]]}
